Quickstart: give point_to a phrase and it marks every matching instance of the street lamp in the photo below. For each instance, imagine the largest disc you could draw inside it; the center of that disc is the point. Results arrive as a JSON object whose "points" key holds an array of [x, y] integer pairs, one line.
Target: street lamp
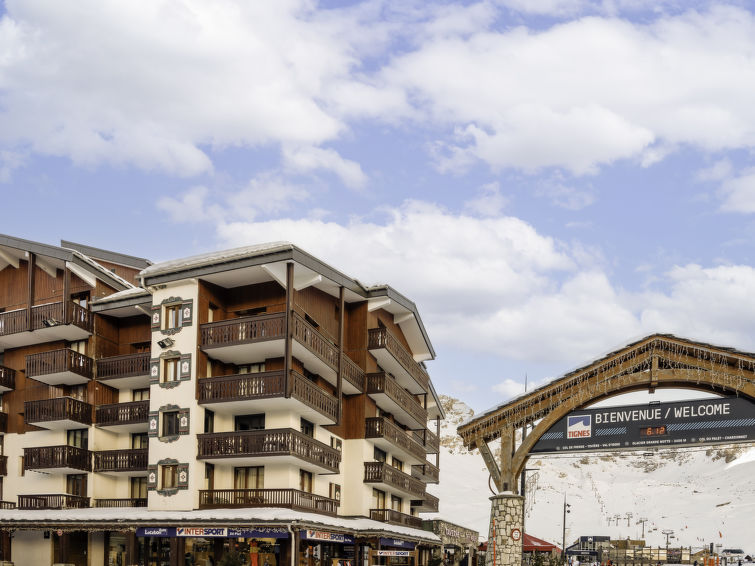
{"points": [[563, 534]]}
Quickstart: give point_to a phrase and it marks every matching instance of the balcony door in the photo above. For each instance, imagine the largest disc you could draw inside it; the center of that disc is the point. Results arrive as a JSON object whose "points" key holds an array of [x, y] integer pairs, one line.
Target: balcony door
{"points": [[78, 438], [76, 484], [250, 477]]}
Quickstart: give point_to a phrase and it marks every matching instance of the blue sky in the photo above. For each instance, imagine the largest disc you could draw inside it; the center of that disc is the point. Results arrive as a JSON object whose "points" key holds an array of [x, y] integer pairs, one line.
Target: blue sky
{"points": [[547, 179]]}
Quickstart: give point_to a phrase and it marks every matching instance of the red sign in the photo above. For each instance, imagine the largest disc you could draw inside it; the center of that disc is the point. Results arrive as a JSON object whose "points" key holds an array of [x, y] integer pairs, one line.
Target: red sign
{"points": [[516, 534]]}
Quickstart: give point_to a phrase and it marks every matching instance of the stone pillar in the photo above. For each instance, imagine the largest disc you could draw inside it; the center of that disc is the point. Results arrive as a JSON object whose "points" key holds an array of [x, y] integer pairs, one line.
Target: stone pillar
{"points": [[505, 536]]}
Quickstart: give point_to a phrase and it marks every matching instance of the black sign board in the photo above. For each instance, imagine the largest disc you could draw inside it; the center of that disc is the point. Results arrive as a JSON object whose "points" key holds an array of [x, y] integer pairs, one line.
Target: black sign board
{"points": [[657, 425]]}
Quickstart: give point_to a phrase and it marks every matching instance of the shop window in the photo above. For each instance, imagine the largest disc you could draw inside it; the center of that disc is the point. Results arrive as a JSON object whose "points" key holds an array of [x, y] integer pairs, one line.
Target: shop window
{"points": [[379, 455], [140, 394], [169, 476], [139, 488], [249, 422], [396, 503], [172, 317], [251, 477], [171, 369], [139, 440], [398, 464], [170, 423], [378, 499], [76, 484], [334, 491], [252, 368], [307, 428], [305, 481], [78, 438]]}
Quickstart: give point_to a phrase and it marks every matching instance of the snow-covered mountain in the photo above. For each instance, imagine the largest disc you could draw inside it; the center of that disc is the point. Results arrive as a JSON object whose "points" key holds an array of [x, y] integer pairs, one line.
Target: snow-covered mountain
{"points": [[703, 494]]}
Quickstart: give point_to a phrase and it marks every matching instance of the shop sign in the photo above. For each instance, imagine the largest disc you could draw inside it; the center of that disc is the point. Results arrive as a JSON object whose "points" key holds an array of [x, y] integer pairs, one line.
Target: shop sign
{"points": [[329, 537], [260, 532], [393, 553], [397, 543]]}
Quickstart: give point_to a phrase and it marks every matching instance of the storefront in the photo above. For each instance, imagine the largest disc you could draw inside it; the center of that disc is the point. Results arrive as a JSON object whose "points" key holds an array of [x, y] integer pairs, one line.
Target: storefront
{"points": [[459, 544], [324, 548]]}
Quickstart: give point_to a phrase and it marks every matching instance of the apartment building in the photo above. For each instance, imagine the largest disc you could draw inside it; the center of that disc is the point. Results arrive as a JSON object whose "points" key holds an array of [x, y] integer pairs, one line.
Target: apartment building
{"points": [[254, 400]]}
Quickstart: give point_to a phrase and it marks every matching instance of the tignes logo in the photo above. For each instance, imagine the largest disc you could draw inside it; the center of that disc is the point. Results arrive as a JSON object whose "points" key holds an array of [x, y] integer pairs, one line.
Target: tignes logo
{"points": [[579, 426]]}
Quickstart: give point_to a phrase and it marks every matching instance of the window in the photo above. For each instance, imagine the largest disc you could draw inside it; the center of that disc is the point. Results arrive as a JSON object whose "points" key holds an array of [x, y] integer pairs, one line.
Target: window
{"points": [[305, 481], [396, 503], [171, 369], [252, 477], [79, 346], [82, 299], [398, 464], [78, 438], [139, 440], [252, 368], [170, 423], [140, 394], [139, 488], [78, 392], [21, 468], [307, 428], [336, 443], [380, 455], [378, 499], [76, 484], [209, 476], [250, 422], [169, 476], [334, 491], [172, 316], [209, 421]]}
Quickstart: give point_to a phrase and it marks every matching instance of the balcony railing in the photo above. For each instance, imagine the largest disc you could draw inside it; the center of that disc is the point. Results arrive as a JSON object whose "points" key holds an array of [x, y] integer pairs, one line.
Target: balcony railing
{"points": [[3, 465], [7, 505], [134, 412], [426, 472], [52, 501], [60, 409], [429, 440], [272, 442], [57, 361], [121, 460], [380, 472], [265, 385], [7, 378], [380, 427], [314, 341], [129, 365], [429, 504], [133, 502], [395, 517], [383, 383], [381, 338], [43, 316], [352, 373], [50, 457], [288, 498], [245, 330]]}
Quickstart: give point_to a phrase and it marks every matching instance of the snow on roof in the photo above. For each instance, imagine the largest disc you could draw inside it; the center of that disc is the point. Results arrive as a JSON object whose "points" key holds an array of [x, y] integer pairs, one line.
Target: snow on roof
{"points": [[214, 257], [102, 269], [231, 516], [125, 294]]}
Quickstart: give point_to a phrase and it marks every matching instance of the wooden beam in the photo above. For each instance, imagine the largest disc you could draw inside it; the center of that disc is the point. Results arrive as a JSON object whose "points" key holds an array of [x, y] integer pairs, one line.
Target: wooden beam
{"points": [[9, 259], [30, 290], [492, 465], [339, 383], [289, 328]]}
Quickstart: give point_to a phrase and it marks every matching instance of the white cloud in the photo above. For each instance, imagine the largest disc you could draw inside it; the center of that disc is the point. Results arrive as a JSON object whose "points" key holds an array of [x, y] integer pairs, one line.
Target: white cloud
{"points": [[718, 171], [312, 158], [508, 388], [488, 202], [738, 193], [566, 197]]}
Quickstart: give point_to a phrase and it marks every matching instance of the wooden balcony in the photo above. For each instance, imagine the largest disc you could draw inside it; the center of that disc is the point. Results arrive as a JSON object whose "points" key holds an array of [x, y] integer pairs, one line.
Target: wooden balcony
{"points": [[392, 479], [135, 502], [427, 505], [393, 398], [121, 462], [255, 338], [288, 498], [395, 518], [429, 440], [7, 379], [393, 357], [124, 417], [60, 367], [426, 472], [58, 459], [391, 438], [5, 505], [258, 392], [256, 447], [52, 501], [130, 371], [3, 465], [47, 324], [63, 413]]}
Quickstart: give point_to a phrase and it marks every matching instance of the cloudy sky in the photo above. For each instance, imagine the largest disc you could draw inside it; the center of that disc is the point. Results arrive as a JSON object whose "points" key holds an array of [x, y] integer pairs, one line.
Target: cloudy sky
{"points": [[546, 179]]}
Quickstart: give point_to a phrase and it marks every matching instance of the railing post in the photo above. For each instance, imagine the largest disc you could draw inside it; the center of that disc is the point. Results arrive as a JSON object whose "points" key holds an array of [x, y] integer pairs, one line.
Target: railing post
{"points": [[339, 386], [30, 295], [66, 293], [289, 329]]}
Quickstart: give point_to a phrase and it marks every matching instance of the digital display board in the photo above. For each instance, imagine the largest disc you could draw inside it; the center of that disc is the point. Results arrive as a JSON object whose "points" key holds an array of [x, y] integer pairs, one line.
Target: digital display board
{"points": [[722, 420]]}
